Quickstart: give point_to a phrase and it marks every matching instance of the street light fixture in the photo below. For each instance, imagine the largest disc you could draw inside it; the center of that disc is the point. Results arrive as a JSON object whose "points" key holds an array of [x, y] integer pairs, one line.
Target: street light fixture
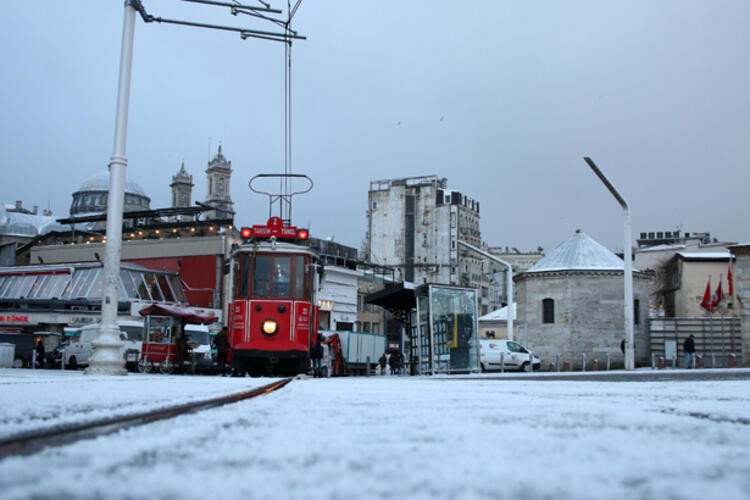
{"points": [[508, 285], [628, 268]]}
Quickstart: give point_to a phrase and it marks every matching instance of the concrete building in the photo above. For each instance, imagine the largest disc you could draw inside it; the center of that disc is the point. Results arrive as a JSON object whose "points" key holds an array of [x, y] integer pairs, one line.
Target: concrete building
{"points": [[741, 289], [684, 282], [655, 251], [570, 304], [414, 225], [518, 260]]}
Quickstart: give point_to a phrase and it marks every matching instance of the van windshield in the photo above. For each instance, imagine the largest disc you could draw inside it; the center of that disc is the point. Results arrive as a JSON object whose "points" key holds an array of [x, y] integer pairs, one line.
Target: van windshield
{"points": [[198, 337]]}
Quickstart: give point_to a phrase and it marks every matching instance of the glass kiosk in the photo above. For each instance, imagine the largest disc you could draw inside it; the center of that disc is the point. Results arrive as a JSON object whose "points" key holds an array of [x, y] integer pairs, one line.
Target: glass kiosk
{"points": [[444, 330]]}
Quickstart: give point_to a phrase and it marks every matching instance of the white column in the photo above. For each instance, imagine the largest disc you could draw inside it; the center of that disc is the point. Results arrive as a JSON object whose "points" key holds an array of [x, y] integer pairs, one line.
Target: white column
{"points": [[107, 358]]}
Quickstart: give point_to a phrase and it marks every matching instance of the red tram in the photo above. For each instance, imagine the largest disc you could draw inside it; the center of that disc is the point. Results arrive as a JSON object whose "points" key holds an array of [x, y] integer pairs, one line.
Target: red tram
{"points": [[273, 316]]}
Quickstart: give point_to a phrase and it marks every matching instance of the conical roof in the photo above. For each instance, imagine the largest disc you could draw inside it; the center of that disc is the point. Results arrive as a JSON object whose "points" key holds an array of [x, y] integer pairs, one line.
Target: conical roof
{"points": [[579, 252]]}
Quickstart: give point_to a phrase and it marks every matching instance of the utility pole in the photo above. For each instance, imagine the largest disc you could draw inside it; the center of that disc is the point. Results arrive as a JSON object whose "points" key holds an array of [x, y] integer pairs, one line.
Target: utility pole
{"points": [[107, 358]]}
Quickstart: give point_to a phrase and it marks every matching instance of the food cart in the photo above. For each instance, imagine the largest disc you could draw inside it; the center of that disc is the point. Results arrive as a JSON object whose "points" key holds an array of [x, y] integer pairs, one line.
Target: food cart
{"points": [[166, 347]]}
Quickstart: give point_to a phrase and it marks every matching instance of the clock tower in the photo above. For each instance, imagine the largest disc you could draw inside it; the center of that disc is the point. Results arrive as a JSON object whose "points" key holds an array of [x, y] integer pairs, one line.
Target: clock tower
{"points": [[219, 173]]}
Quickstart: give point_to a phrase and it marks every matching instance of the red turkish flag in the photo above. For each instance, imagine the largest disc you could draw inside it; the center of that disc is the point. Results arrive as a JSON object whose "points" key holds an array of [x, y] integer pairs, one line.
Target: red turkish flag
{"points": [[706, 303], [718, 297], [729, 280]]}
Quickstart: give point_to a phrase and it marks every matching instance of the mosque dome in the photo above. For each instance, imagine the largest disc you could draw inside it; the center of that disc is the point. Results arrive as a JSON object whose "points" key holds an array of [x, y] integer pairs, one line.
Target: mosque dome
{"points": [[91, 197]]}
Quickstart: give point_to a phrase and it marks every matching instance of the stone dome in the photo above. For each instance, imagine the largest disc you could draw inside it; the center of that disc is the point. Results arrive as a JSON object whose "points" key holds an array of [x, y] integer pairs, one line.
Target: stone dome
{"points": [[91, 197], [580, 253]]}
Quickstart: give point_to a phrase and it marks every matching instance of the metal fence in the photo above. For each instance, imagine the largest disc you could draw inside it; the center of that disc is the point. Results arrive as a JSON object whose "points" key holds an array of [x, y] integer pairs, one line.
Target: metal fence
{"points": [[716, 339]]}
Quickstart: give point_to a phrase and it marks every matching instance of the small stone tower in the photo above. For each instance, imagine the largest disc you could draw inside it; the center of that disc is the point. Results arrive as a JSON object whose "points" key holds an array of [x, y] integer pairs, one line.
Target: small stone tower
{"points": [[182, 188], [219, 173]]}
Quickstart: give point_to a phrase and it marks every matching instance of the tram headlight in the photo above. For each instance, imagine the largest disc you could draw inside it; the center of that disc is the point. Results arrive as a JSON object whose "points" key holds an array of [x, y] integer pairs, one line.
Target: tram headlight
{"points": [[269, 327]]}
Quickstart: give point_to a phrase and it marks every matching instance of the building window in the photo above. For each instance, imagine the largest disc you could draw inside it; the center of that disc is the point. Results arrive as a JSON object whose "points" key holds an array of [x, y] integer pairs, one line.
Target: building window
{"points": [[548, 311]]}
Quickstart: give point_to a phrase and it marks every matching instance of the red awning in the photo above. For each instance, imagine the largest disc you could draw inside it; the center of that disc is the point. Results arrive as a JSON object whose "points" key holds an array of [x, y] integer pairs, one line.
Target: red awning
{"points": [[186, 313]]}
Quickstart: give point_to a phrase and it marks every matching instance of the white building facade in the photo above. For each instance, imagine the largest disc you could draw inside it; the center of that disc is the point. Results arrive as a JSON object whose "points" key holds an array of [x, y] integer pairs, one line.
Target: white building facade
{"points": [[414, 225]]}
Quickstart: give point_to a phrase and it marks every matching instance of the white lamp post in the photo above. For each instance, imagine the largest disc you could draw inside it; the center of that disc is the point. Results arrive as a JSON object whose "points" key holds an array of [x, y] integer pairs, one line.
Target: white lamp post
{"points": [[508, 285], [107, 358], [628, 269]]}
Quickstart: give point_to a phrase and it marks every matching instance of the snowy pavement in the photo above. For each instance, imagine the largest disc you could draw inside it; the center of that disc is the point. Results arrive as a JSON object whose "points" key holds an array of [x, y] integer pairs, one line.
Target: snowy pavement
{"points": [[385, 437]]}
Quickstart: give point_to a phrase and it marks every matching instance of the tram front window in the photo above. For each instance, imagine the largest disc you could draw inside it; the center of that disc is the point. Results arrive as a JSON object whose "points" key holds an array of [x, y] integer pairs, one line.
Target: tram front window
{"points": [[262, 275], [282, 281]]}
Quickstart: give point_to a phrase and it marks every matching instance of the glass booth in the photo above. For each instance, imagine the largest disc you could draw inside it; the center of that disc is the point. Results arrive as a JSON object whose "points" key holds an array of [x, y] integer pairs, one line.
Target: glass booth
{"points": [[444, 330]]}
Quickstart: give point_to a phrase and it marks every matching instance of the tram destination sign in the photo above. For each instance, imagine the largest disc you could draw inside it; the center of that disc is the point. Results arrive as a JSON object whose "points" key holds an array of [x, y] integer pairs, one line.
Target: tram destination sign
{"points": [[274, 228]]}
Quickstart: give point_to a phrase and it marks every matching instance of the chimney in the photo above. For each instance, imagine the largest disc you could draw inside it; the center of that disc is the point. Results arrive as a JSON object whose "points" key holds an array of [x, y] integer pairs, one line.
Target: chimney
{"points": [[19, 204], [35, 210]]}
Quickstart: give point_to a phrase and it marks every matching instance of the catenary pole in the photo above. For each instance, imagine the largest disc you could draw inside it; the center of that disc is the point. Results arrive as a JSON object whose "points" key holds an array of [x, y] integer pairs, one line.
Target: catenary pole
{"points": [[508, 284], [628, 268], [107, 358]]}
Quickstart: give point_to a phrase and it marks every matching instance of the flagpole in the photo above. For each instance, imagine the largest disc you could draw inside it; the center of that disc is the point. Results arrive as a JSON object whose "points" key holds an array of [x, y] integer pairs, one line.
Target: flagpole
{"points": [[711, 325]]}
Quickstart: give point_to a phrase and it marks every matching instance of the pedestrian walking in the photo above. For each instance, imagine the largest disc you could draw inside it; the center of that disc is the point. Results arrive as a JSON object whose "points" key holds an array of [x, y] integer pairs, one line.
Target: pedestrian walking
{"points": [[39, 349], [382, 361], [316, 355], [689, 349]]}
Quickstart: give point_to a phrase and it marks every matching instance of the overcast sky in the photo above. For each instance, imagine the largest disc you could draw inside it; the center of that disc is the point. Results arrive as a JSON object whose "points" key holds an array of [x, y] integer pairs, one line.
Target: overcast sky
{"points": [[503, 98]]}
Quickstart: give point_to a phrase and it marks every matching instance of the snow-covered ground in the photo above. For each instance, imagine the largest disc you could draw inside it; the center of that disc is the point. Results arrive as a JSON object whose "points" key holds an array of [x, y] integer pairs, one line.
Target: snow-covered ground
{"points": [[385, 437]]}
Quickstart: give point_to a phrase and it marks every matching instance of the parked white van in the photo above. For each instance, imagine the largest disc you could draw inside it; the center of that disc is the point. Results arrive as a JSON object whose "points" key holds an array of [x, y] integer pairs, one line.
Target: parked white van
{"points": [[514, 356], [80, 348], [199, 340]]}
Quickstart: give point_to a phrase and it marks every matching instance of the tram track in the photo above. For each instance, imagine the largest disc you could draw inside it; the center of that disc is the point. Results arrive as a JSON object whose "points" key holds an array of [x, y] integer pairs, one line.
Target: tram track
{"points": [[27, 443]]}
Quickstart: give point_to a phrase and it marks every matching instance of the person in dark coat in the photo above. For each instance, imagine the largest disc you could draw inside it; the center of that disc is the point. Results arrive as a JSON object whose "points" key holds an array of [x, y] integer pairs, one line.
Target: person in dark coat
{"points": [[222, 348], [689, 349], [316, 355], [382, 361], [39, 348]]}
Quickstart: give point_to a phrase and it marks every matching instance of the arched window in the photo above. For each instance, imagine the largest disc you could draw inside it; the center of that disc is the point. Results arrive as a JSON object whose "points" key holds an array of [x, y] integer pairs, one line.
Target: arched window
{"points": [[548, 311]]}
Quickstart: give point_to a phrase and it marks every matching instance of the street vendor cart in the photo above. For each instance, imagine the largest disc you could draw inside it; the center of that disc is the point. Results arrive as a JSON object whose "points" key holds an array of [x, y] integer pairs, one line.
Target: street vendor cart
{"points": [[166, 346]]}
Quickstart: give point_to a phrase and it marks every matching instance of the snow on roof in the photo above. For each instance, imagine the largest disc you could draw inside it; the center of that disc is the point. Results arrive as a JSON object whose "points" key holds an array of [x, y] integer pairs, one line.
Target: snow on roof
{"points": [[661, 248], [704, 255], [499, 314], [579, 252], [20, 224]]}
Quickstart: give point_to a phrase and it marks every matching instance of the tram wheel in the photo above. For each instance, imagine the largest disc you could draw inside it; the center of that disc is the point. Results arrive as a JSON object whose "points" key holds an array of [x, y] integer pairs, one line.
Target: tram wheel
{"points": [[166, 367], [145, 366]]}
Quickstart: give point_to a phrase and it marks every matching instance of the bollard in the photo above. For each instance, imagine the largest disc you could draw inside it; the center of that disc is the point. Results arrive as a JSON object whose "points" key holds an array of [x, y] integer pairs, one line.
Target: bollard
{"points": [[531, 363], [557, 362], [608, 362], [674, 360], [502, 362], [62, 359], [583, 361], [732, 360], [653, 361], [33, 359], [367, 366], [713, 360]]}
